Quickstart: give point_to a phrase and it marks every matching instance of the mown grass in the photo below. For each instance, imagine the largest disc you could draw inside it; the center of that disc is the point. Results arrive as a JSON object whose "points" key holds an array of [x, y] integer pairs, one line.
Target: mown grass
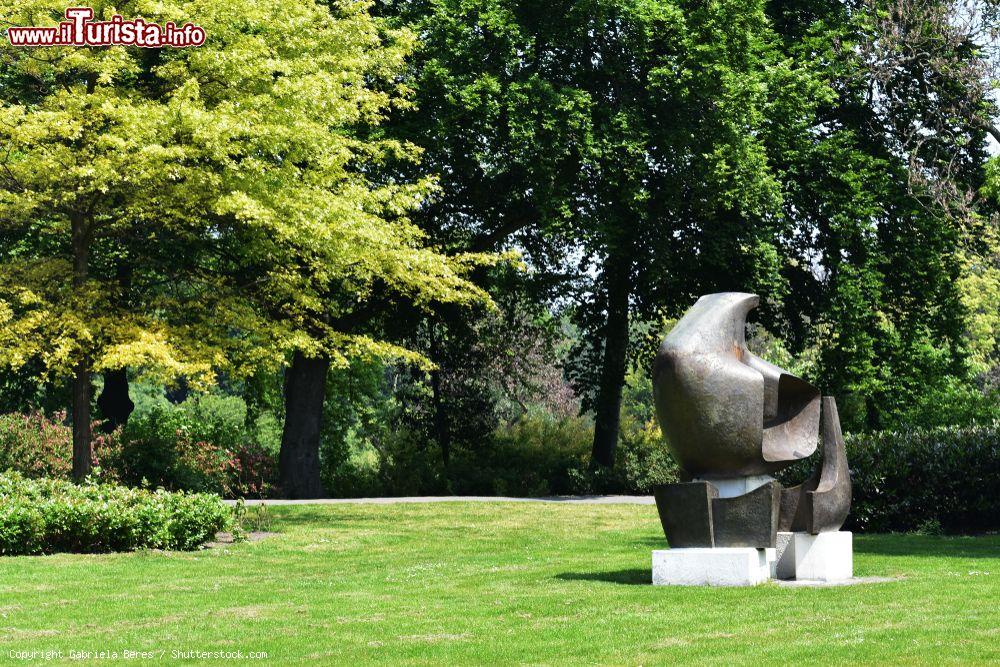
{"points": [[465, 583]]}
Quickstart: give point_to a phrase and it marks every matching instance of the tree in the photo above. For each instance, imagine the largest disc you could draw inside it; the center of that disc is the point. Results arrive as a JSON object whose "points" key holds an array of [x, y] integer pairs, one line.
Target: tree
{"points": [[231, 181], [882, 192], [618, 143]]}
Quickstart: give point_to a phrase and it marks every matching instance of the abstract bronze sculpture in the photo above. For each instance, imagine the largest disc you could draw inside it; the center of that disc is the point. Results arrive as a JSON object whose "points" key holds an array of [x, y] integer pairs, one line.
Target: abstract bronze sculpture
{"points": [[821, 503], [731, 419]]}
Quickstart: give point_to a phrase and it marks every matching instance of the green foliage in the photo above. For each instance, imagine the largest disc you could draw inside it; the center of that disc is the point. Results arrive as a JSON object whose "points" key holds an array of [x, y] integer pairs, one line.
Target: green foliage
{"points": [[203, 444], [48, 516], [883, 198], [620, 143], [536, 455], [910, 480], [181, 212], [906, 478], [35, 445], [359, 411], [951, 403]]}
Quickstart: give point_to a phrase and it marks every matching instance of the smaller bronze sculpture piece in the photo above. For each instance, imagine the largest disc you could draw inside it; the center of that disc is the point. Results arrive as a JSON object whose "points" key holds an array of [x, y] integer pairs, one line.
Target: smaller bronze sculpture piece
{"points": [[728, 417], [821, 503]]}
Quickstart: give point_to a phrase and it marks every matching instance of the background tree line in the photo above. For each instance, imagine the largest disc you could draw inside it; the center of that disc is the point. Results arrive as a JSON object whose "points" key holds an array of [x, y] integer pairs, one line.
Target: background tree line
{"points": [[430, 245]]}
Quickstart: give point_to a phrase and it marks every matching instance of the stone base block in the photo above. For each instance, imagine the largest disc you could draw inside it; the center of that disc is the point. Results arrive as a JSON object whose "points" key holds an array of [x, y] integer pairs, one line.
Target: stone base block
{"points": [[823, 557], [730, 487], [733, 566]]}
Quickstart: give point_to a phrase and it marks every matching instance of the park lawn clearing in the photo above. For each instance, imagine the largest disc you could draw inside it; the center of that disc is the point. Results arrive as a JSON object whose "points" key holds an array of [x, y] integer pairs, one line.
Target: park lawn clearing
{"points": [[494, 583]]}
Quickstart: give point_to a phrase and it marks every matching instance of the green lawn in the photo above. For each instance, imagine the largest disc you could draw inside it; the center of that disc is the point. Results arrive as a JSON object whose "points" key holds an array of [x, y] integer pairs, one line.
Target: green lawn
{"points": [[469, 583]]}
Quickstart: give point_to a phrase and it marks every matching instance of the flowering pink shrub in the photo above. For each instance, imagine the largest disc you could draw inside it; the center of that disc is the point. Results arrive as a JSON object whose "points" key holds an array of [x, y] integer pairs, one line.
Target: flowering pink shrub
{"points": [[39, 446], [157, 450], [254, 469], [35, 445]]}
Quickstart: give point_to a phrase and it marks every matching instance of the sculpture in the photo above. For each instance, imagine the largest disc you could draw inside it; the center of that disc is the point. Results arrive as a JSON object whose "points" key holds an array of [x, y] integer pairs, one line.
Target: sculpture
{"points": [[732, 419]]}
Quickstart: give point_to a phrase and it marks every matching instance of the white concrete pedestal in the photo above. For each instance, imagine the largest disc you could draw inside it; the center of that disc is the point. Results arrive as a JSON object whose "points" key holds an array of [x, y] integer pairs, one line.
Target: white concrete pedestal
{"points": [[730, 487], [713, 567], [823, 557]]}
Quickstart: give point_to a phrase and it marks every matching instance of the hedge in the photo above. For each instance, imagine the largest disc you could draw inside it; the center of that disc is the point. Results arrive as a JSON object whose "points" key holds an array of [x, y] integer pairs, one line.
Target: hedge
{"points": [[947, 478], [938, 480], [48, 516]]}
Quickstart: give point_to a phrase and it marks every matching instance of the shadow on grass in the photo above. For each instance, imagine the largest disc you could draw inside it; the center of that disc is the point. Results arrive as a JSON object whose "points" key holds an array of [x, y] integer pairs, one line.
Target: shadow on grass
{"points": [[902, 544], [986, 546], [653, 542], [627, 577], [320, 515]]}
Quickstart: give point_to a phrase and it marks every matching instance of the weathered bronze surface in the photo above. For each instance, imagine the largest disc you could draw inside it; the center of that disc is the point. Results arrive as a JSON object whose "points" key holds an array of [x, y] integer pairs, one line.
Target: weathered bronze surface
{"points": [[693, 515], [822, 502], [686, 513], [724, 411], [750, 520]]}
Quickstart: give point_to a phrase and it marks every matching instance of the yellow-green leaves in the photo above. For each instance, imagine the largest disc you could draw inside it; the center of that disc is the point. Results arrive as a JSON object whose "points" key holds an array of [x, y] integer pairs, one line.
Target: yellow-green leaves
{"points": [[186, 210]]}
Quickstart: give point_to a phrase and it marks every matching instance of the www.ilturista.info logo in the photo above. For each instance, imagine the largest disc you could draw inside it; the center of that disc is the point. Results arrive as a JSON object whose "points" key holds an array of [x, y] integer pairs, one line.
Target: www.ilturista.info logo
{"points": [[79, 30]]}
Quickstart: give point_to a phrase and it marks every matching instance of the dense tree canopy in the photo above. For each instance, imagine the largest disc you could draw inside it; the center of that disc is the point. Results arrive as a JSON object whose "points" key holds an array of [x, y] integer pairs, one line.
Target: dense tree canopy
{"points": [[313, 206], [190, 210], [621, 141]]}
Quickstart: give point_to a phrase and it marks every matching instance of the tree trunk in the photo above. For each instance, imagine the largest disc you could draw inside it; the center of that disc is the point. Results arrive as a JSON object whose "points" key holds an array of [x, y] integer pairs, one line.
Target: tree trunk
{"points": [[305, 389], [82, 436], [441, 426], [607, 407], [114, 401]]}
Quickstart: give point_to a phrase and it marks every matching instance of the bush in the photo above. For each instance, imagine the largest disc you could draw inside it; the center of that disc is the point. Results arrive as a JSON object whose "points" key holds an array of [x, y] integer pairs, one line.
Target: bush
{"points": [[202, 445], [910, 480], [38, 446], [47, 516], [936, 480], [538, 455]]}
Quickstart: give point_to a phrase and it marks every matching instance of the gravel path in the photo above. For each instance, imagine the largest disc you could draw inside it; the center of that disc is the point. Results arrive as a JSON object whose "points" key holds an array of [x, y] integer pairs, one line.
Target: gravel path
{"points": [[595, 500]]}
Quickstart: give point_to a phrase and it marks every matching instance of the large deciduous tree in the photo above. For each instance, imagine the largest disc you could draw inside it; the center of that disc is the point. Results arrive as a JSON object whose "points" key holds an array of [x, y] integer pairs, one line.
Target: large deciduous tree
{"points": [[883, 195], [230, 180], [620, 140], [824, 153]]}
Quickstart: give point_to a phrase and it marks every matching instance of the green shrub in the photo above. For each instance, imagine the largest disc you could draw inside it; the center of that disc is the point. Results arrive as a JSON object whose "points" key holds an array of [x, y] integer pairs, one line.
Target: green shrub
{"points": [[162, 449], [22, 528], [202, 445], [538, 455], [352, 470], [535, 456], [409, 465], [642, 461], [946, 478], [47, 516], [936, 480], [36, 445]]}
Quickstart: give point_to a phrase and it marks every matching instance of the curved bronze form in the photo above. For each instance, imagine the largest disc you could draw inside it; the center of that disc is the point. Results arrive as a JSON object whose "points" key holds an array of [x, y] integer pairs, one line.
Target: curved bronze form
{"points": [[724, 411], [822, 502]]}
